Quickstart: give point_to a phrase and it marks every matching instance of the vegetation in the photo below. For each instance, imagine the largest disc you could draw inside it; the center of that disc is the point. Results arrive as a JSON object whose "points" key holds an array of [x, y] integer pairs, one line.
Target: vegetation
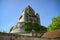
{"points": [[11, 28], [28, 27], [33, 27], [55, 24]]}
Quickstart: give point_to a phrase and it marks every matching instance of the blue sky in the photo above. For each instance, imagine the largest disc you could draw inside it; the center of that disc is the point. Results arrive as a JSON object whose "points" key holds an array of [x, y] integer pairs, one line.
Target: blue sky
{"points": [[10, 10]]}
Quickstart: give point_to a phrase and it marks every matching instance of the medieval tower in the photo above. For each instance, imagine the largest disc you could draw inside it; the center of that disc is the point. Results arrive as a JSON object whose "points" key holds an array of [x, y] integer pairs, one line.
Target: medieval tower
{"points": [[28, 15]]}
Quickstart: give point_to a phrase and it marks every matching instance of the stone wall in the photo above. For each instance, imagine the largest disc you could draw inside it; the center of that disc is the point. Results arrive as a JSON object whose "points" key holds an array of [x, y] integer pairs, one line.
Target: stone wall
{"points": [[8, 36]]}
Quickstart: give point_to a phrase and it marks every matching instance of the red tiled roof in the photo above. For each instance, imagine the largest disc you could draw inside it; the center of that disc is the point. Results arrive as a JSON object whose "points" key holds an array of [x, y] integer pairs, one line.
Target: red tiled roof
{"points": [[53, 34]]}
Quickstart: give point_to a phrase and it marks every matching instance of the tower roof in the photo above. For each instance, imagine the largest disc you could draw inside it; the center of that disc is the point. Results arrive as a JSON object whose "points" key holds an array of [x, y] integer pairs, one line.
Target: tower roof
{"points": [[29, 10]]}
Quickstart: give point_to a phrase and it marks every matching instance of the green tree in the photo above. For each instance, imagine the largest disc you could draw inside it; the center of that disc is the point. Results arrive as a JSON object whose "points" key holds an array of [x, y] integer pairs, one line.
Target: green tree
{"points": [[28, 27], [33, 27], [55, 24], [43, 29], [11, 28], [36, 28]]}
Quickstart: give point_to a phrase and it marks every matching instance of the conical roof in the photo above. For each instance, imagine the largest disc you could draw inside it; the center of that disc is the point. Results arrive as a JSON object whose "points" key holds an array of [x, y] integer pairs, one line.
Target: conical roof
{"points": [[29, 10]]}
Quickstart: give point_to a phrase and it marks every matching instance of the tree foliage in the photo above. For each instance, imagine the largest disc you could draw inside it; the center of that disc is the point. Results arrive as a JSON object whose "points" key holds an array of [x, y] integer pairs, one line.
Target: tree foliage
{"points": [[55, 24], [29, 26], [11, 28], [34, 28]]}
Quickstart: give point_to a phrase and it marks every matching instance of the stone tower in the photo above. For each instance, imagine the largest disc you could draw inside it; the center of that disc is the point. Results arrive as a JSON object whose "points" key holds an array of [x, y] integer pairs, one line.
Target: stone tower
{"points": [[28, 15]]}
